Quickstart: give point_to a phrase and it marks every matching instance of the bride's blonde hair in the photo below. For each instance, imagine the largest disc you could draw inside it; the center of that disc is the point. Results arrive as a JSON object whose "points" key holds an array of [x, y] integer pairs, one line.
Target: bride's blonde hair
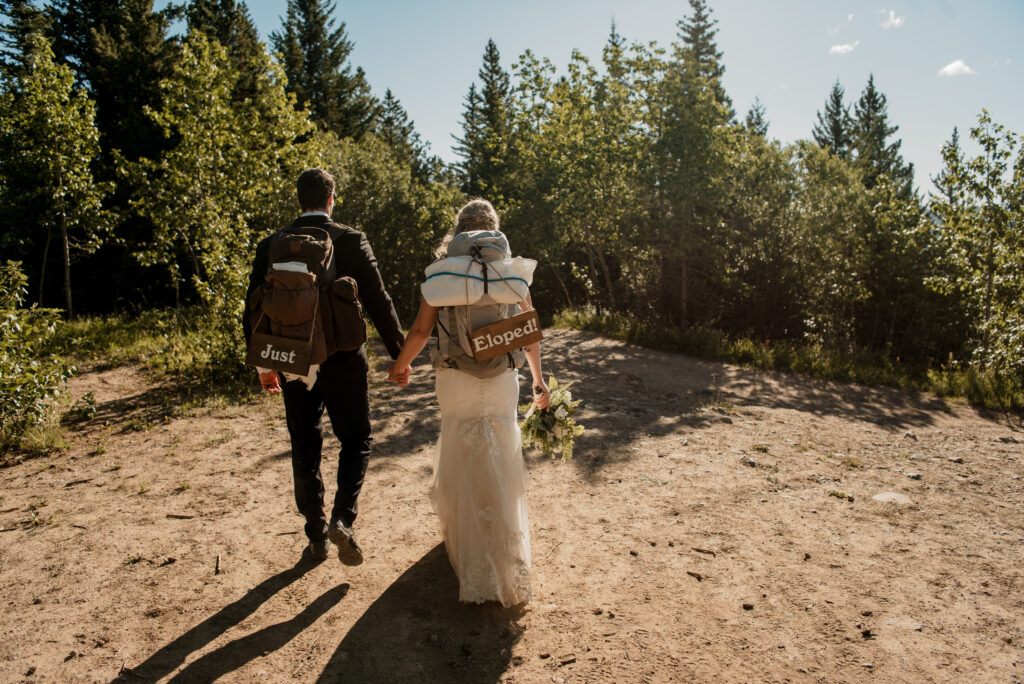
{"points": [[476, 214]]}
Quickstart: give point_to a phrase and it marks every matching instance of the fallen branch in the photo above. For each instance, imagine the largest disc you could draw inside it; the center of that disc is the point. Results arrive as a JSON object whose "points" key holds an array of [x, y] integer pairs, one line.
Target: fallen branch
{"points": [[77, 482], [176, 516], [705, 551]]}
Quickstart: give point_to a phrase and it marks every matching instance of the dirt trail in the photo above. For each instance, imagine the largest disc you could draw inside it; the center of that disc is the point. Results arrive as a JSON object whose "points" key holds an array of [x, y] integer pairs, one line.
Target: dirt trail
{"points": [[717, 524]]}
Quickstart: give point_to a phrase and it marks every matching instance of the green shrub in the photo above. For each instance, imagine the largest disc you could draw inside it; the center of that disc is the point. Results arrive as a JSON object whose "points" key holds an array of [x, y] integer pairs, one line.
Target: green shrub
{"points": [[30, 379], [981, 388]]}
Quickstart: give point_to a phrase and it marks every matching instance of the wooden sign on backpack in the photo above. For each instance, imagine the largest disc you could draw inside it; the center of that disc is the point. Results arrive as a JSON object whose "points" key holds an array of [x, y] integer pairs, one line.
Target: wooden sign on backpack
{"points": [[505, 336], [279, 353]]}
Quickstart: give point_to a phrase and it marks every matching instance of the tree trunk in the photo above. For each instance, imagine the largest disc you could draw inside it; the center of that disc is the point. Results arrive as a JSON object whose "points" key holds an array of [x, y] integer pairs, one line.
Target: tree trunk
{"points": [[593, 272], [683, 293], [42, 269], [67, 263], [558, 277], [989, 277], [607, 279]]}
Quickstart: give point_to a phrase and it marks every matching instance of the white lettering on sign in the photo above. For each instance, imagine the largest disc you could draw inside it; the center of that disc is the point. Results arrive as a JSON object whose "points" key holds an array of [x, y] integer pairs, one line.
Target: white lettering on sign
{"points": [[274, 355], [487, 340]]}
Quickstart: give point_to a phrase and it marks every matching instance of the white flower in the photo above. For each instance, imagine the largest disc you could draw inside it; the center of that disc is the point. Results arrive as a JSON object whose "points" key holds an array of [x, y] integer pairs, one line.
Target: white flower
{"points": [[558, 432], [568, 396], [561, 413]]}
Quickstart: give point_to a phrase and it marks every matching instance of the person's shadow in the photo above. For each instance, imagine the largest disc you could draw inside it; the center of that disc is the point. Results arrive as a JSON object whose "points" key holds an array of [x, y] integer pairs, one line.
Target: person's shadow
{"points": [[418, 631], [237, 653]]}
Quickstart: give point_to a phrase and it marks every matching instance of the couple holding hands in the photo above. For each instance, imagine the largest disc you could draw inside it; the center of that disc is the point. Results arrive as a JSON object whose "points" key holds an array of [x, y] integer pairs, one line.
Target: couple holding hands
{"points": [[478, 490]]}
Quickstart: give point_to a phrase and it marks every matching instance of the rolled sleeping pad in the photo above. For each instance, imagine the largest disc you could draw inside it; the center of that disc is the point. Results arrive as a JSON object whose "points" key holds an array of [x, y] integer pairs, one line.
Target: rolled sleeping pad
{"points": [[459, 281]]}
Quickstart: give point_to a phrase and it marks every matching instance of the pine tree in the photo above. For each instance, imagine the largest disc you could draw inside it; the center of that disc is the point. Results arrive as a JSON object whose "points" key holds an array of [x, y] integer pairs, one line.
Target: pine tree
{"points": [[120, 51], [229, 23], [486, 125], [947, 182], [833, 130], [873, 154], [395, 129], [700, 52], [315, 57], [22, 20], [689, 155], [755, 122]]}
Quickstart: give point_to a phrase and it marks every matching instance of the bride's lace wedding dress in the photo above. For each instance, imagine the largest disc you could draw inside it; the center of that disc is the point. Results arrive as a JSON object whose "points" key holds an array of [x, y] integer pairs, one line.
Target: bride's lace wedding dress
{"points": [[479, 487]]}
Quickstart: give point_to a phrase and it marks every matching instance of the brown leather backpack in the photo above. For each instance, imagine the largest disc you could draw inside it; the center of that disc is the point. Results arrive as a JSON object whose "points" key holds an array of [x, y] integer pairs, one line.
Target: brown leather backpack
{"points": [[303, 302]]}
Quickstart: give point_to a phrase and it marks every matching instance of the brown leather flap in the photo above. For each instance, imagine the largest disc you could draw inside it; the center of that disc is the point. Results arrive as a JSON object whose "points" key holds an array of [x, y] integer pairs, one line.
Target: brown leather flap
{"points": [[279, 353]]}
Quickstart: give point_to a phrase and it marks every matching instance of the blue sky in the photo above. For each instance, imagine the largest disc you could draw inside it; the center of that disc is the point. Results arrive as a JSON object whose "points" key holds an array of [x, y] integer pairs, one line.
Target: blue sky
{"points": [[788, 52]]}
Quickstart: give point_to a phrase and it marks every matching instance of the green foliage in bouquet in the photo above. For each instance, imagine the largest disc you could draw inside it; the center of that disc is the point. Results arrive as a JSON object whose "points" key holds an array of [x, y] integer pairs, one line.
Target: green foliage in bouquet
{"points": [[552, 430]]}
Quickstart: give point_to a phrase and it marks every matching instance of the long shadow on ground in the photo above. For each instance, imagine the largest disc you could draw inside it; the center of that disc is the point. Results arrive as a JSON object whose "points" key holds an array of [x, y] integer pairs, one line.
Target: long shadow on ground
{"points": [[418, 631], [237, 653]]}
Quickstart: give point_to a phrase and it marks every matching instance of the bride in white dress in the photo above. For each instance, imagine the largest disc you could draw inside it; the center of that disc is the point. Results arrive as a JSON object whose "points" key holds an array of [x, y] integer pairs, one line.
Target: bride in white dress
{"points": [[479, 485]]}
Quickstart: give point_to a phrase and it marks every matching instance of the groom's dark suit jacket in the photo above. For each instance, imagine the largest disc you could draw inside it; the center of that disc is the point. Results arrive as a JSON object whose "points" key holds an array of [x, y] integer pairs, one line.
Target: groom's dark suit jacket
{"points": [[352, 257]]}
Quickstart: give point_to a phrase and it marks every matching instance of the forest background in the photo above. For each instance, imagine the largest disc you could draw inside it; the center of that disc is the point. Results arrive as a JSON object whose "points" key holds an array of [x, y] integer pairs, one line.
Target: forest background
{"points": [[139, 167]]}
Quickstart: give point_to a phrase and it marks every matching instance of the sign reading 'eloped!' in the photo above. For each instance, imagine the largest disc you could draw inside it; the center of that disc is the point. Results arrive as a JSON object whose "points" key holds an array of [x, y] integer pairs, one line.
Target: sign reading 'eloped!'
{"points": [[505, 336]]}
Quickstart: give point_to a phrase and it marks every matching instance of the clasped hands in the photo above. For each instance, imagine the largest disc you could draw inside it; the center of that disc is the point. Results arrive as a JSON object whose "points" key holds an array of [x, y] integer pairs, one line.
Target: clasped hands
{"points": [[399, 376]]}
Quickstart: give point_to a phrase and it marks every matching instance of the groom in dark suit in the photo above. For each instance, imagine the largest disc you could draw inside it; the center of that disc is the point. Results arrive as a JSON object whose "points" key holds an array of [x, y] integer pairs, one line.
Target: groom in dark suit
{"points": [[340, 387]]}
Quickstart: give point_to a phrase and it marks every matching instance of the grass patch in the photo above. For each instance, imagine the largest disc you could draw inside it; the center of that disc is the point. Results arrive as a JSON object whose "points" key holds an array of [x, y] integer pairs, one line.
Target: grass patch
{"points": [[980, 388]]}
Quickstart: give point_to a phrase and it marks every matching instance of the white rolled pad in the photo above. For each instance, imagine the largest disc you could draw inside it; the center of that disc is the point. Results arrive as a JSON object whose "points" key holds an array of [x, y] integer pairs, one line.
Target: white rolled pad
{"points": [[459, 281]]}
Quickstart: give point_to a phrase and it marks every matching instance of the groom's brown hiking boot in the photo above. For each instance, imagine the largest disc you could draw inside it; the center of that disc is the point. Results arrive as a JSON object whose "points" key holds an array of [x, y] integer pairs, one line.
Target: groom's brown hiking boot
{"points": [[349, 552]]}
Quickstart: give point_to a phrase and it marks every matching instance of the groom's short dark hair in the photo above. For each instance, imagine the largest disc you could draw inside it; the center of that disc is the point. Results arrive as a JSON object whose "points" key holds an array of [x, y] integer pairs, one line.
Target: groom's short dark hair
{"points": [[315, 187]]}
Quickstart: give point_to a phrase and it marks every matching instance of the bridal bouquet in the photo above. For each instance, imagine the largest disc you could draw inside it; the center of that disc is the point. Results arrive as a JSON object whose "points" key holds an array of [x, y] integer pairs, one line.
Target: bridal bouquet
{"points": [[552, 430]]}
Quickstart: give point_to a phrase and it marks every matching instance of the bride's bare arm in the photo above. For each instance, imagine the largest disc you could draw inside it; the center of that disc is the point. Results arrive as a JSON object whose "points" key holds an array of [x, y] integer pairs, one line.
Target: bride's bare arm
{"points": [[542, 397], [417, 338]]}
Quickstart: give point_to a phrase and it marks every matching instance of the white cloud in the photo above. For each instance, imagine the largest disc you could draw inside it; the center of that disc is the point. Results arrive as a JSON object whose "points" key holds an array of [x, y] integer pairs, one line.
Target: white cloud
{"points": [[844, 48], [893, 21], [849, 17], [957, 68]]}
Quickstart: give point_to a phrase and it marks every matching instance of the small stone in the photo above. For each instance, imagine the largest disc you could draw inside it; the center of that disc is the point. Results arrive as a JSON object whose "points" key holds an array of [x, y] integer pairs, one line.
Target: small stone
{"points": [[610, 615], [914, 476], [36, 601], [910, 434], [956, 459], [653, 543], [892, 497], [866, 613], [70, 656], [634, 552], [545, 656], [868, 665], [748, 606], [31, 671], [867, 634], [807, 556], [671, 543], [598, 611]]}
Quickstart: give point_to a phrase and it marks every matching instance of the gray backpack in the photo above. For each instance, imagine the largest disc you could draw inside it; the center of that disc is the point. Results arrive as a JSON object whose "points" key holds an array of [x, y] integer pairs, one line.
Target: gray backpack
{"points": [[453, 349]]}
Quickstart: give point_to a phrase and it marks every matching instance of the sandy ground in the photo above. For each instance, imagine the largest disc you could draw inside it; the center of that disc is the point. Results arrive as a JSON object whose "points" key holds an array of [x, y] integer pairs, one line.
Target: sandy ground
{"points": [[717, 524]]}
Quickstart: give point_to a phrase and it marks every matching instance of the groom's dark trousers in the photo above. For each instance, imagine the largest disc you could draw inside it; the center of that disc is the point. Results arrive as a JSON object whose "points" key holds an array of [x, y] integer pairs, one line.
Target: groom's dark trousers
{"points": [[340, 388]]}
